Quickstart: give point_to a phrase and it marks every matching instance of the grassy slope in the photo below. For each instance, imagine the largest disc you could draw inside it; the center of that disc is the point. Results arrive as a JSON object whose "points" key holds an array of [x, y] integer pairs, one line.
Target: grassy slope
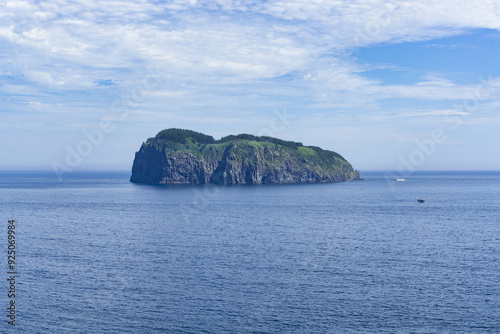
{"points": [[247, 151]]}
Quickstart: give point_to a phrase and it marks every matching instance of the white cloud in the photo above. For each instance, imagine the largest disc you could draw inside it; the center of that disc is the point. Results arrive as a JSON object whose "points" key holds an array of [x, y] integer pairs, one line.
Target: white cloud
{"points": [[208, 50], [432, 79], [445, 112]]}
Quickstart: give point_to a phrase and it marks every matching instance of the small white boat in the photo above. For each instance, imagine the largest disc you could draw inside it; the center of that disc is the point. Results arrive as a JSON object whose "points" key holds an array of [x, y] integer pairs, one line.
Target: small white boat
{"points": [[400, 180]]}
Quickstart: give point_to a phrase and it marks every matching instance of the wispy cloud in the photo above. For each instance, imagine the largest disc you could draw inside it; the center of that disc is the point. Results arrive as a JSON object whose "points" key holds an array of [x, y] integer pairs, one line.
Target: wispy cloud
{"points": [[446, 112], [225, 55]]}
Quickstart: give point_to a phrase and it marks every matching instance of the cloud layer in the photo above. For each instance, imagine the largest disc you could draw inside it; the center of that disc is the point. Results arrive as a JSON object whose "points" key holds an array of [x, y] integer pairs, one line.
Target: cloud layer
{"points": [[73, 58], [73, 45]]}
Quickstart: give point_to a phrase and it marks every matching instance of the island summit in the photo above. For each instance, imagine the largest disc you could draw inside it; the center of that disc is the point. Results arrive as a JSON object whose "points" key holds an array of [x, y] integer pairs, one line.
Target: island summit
{"points": [[176, 156]]}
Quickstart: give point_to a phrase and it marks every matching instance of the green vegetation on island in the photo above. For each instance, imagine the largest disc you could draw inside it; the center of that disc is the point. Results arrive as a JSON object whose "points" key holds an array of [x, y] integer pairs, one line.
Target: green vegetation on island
{"points": [[177, 156]]}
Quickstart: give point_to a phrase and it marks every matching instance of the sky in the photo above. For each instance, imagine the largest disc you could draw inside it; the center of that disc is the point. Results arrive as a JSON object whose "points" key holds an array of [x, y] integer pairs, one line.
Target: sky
{"points": [[390, 85]]}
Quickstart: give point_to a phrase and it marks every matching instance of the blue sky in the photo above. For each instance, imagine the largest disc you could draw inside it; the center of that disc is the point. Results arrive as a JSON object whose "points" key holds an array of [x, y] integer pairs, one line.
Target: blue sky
{"points": [[398, 85]]}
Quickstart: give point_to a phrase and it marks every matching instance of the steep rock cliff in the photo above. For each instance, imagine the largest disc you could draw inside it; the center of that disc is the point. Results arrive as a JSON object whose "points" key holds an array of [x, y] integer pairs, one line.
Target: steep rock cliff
{"points": [[177, 156]]}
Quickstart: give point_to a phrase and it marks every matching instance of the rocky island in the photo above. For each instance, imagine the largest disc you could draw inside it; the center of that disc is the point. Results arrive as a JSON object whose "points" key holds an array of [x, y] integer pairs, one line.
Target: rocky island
{"points": [[176, 156]]}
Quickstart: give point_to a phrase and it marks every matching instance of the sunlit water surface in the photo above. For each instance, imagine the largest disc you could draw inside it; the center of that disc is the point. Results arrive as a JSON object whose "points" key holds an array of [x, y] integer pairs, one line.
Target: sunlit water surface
{"points": [[97, 254]]}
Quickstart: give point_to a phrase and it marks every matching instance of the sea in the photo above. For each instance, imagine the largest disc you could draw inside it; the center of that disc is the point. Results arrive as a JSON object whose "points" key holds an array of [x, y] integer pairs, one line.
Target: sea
{"points": [[98, 254]]}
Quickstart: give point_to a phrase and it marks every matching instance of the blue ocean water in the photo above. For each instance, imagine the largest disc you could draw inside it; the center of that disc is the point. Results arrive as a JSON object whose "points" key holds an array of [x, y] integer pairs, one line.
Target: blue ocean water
{"points": [[97, 254]]}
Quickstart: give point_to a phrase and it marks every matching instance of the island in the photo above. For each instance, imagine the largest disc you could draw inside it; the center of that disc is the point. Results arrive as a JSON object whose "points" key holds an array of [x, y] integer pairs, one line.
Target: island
{"points": [[177, 156]]}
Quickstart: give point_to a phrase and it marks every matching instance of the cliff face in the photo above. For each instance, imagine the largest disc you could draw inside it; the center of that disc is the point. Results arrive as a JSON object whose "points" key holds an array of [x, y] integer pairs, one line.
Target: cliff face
{"points": [[190, 159]]}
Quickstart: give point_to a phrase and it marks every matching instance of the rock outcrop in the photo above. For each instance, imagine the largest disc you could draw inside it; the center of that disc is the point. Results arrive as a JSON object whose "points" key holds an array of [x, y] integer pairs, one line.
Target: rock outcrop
{"points": [[177, 156]]}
